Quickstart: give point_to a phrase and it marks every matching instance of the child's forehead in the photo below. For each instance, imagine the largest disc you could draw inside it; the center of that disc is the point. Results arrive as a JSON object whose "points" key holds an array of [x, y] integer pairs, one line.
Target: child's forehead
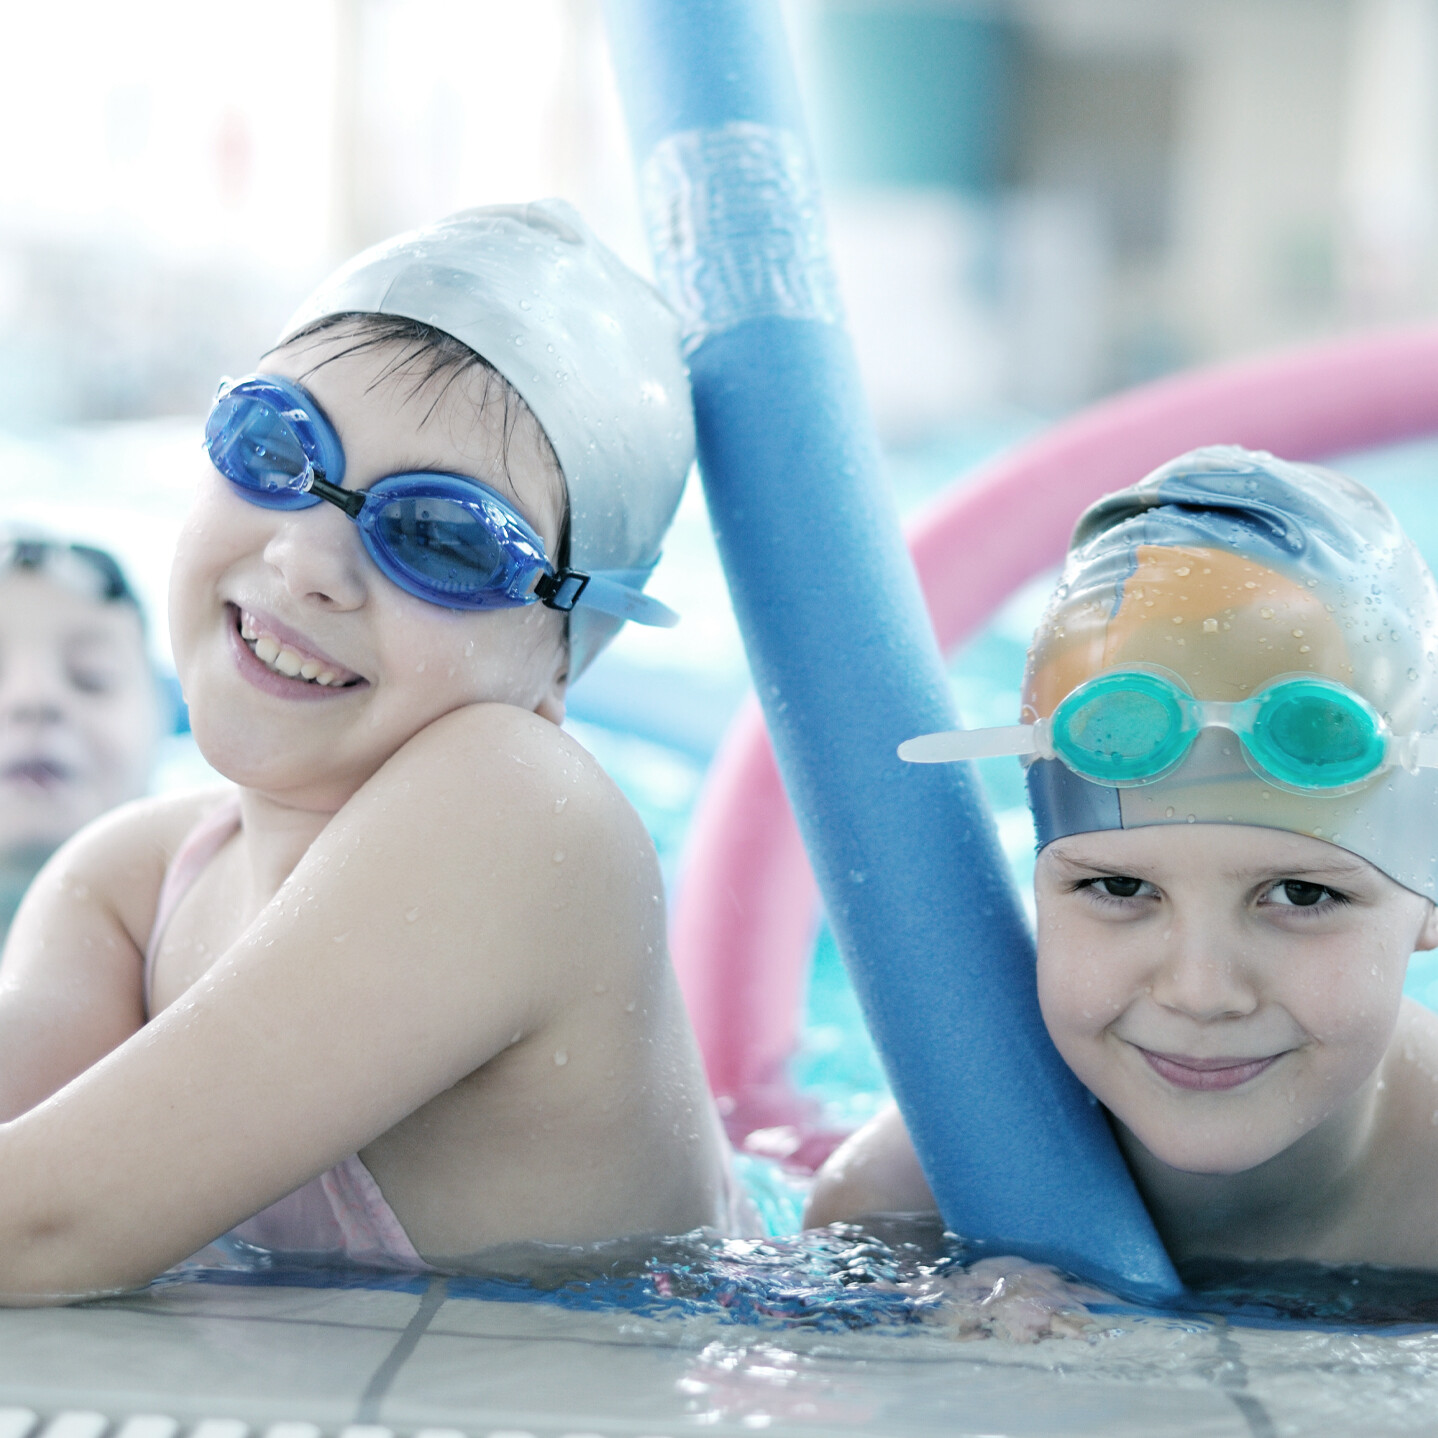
{"points": [[48, 609], [1232, 853]]}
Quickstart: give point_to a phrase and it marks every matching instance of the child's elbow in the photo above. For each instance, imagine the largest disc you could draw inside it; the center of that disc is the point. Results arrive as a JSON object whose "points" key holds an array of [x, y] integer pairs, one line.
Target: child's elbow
{"points": [[873, 1171]]}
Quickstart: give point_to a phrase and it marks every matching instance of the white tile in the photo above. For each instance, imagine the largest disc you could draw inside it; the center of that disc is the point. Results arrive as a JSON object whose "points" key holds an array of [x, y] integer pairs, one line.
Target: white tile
{"points": [[148, 1425], [243, 1362], [76, 1423], [293, 1430], [220, 1428], [17, 1422]]}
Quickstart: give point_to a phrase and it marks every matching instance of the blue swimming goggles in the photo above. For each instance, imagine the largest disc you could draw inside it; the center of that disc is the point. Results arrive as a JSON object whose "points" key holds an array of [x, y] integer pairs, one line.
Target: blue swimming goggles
{"points": [[444, 538], [1133, 726]]}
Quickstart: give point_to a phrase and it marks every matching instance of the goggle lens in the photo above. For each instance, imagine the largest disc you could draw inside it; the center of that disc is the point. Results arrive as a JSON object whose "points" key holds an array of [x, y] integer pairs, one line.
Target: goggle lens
{"points": [[442, 549], [255, 446], [1122, 729], [1315, 736]]}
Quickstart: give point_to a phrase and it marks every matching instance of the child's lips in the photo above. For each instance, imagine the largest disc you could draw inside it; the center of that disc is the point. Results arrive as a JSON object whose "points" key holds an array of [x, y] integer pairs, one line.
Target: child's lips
{"points": [[38, 773], [281, 661], [1183, 1071]]}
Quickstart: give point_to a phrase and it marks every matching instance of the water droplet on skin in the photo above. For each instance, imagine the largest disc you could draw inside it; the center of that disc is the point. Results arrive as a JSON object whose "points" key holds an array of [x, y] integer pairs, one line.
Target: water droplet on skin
{"points": [[1184, 572], [559, 804], [1178, 619], [1192, 819], [468, 648], [1210, 626], [1169, 812], [340, 938], [410, 915], [561, 1057], [419, 668], [631, 1006], [559, 856]]}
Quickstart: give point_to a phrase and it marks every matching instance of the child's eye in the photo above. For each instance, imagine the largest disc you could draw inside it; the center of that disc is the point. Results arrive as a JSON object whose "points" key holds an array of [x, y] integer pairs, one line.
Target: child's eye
{"points": [[1300, 894], [89, 680], [1114, 886], [1119, 888]]}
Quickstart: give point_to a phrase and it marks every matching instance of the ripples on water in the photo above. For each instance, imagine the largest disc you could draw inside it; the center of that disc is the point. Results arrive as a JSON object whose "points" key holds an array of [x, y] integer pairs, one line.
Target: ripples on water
{"points": [[885, 1275]]}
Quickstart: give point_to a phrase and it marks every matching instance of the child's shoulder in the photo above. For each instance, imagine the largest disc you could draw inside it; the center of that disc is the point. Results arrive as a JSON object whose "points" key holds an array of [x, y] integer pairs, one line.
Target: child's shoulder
{"points": [[118, 862], [491, 799], [144, 830], [1407, 1150], [487, 760]]}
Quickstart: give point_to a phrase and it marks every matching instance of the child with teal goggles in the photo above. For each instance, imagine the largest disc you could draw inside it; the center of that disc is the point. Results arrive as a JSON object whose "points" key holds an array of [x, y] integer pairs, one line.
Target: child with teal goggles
{"points": [[1299, 732], [445, 538]]}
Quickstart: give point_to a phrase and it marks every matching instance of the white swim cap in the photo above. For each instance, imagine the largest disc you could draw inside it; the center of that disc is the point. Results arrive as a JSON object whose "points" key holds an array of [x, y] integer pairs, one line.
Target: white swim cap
{"points": [[590, 346]]}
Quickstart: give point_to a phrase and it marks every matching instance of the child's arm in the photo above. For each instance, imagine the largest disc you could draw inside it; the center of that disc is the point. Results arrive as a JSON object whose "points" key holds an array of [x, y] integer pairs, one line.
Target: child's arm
{"points": [[71, 981], [875, 1170], [447, 910]]}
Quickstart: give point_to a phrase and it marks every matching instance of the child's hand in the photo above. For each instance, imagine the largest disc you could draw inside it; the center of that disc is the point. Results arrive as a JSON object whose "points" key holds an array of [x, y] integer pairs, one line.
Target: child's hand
{"points": [[1013, 1299]]}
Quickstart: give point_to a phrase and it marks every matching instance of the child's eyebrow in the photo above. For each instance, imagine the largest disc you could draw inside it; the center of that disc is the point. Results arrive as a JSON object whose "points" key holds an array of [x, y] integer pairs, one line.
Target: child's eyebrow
{"points": [[1335, 869]]}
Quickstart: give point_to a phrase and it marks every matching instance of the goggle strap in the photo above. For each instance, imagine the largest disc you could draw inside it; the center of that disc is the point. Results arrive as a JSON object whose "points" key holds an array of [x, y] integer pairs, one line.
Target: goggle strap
{"points": [[955, 744], [608, 592], [613, 592], [1425, 751]]}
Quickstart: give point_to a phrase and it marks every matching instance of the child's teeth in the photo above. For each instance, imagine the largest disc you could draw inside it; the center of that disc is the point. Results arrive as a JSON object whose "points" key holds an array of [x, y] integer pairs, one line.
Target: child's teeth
{"points": [[269, 651], [248, 630]]}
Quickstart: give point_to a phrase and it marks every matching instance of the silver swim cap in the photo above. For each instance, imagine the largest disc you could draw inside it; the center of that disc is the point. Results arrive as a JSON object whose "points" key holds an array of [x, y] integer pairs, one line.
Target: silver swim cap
{"points": [[592, 348], [1232, 578]]}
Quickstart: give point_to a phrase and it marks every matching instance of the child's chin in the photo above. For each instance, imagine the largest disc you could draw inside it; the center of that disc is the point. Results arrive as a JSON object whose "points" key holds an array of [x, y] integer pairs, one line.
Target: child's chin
{"points": [[1209, 1155]]}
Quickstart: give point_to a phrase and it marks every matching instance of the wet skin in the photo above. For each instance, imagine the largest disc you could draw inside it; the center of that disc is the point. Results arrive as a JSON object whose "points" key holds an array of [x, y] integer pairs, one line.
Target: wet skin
{"points": [[437, 941], [1233, 996]]}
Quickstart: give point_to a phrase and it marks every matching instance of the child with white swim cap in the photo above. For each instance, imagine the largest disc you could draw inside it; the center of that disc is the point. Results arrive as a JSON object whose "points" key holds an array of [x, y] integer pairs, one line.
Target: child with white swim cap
{"points": [[401, 996], [1231, 728]]}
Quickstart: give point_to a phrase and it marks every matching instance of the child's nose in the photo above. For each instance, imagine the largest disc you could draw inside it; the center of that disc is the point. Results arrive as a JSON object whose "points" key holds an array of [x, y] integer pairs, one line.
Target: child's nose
{"points": [[1203, 975], [33, 689], [318, 554]]}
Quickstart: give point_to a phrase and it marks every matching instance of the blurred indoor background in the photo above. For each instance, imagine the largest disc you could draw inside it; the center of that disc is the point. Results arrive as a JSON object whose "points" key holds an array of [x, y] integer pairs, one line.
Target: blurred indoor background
{"points": [[1031, 203]]}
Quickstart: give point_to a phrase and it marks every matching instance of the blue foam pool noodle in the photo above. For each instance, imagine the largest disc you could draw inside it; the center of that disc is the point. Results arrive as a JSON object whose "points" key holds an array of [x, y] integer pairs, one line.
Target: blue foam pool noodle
{"points": [[843, 657]]}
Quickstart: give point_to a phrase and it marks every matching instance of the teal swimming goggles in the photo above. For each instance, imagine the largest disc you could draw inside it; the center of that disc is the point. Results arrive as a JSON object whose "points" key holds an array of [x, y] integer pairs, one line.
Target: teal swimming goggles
{"points": [[1298, 732]]}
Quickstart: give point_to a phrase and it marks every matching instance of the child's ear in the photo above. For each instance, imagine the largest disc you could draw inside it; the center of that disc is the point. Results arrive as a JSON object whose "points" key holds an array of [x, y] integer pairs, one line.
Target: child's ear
{"points": [[1428, 934]]}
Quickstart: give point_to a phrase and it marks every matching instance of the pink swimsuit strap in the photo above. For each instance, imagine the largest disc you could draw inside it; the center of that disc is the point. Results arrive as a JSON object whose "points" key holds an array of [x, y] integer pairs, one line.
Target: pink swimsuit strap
{"points": [[196, 850]]}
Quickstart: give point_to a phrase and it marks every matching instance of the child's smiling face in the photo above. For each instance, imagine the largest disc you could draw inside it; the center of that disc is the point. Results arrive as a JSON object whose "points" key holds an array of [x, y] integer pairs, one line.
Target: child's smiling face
{"points": [[303, 578], [1222, 989]]}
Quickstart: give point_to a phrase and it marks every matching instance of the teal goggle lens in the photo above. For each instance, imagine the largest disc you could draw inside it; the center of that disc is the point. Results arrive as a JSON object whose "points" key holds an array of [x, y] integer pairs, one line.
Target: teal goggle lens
{"points": [[1121, 729], [1312, 735]]}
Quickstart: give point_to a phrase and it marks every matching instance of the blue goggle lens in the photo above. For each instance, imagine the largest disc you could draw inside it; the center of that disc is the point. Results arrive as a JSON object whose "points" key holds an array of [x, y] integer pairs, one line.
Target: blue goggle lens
{"points": [[446, 540], [259, 449]]}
